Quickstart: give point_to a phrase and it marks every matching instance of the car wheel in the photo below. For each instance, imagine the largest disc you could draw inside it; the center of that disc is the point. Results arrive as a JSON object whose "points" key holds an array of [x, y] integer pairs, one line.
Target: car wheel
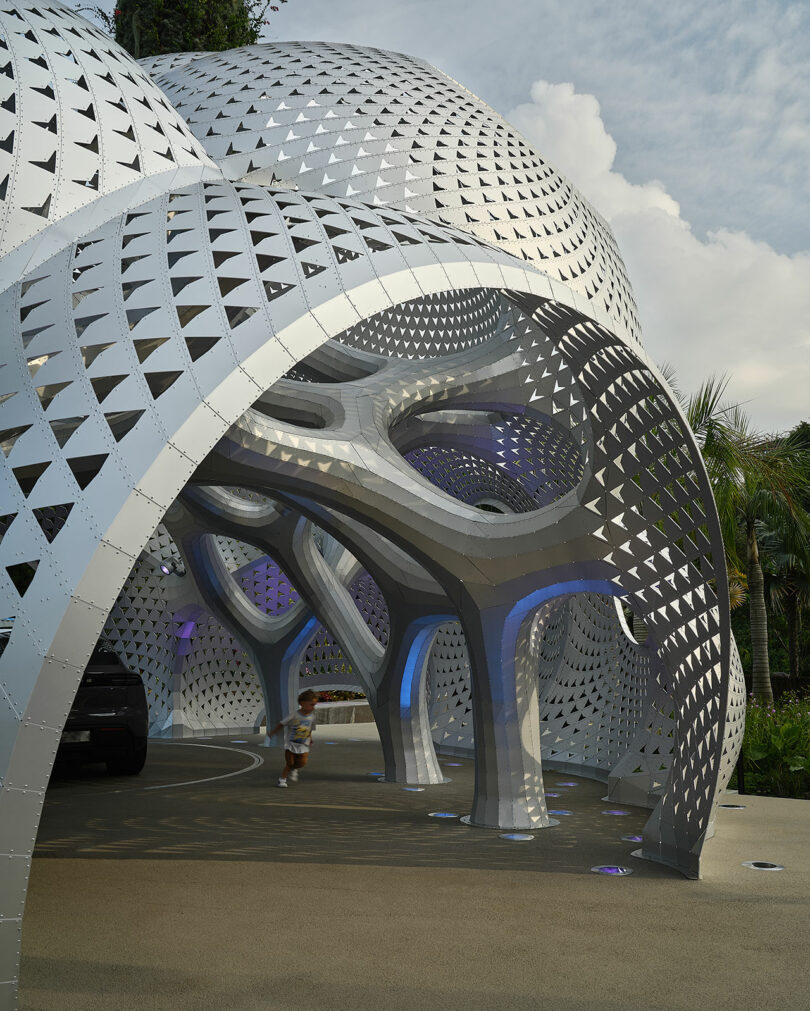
{"points": [[129, 762]]}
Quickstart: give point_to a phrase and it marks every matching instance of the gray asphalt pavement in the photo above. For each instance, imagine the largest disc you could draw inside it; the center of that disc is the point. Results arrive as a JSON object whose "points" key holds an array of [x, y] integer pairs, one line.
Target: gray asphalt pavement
{"points": [[201, 885]]}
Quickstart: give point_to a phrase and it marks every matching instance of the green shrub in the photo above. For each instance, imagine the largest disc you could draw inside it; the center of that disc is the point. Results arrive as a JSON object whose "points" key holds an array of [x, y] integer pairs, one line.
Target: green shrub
{"points": [[154, 27], [776, 747]]}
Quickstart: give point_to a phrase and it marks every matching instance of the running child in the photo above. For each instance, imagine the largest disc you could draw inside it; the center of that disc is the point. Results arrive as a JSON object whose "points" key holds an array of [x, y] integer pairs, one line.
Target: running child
{"points": [[298, 729]]}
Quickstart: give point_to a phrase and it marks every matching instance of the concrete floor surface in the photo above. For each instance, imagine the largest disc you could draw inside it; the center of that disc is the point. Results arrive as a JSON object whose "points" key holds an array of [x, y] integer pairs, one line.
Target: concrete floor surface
{"points": [[341, 893]]}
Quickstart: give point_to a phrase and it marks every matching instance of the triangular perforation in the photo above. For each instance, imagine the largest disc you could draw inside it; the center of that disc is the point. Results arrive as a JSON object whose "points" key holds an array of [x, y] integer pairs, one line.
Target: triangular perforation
{"points": [[198, 346], [122, 422], [85, 468], [52, 518], [22, 575], [28, 475], [159, 382]]}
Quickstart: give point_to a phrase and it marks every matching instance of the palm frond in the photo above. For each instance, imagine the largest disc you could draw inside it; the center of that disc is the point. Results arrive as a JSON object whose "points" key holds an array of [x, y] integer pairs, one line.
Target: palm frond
{"points": [[668, 371], [737, 594], [705, 407]]}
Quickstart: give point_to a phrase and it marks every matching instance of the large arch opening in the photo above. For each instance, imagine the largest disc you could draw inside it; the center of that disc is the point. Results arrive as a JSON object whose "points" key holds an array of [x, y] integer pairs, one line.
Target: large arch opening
{"points": [[150, 309]]}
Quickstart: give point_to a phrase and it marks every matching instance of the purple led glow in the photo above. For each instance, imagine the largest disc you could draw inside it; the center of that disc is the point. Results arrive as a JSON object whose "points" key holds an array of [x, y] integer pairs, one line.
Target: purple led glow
{"points": [[267, 586], [165, 569], [370, 602], [452, 765], [550, 794], [560, 812], [566, 784], [442, 814], [613, 869], [633, 838], [617, 812], [187, 630]]}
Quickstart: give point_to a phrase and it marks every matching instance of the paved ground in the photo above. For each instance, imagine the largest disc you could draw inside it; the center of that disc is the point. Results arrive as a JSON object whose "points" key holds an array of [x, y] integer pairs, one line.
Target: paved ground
{"points": [[199, 885]]}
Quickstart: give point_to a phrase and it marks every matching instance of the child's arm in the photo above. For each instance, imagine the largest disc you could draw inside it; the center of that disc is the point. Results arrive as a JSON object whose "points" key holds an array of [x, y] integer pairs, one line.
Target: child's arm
{"points": [[275, 730]]}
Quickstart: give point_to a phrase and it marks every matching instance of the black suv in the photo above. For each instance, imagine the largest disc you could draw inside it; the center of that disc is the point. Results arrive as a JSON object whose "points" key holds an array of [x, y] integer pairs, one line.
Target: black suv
{"points": [[110, 715]]}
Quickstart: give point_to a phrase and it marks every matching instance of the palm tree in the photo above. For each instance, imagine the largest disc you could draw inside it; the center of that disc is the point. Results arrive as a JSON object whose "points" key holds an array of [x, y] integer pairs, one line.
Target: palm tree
{"points": [[766, 495], [787, 581], [788, 569], [758, 482]]}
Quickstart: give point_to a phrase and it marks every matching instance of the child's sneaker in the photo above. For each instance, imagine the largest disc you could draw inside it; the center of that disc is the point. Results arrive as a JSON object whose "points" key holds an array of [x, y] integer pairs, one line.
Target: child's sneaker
{"points": [[293, 776], [282, 782]]}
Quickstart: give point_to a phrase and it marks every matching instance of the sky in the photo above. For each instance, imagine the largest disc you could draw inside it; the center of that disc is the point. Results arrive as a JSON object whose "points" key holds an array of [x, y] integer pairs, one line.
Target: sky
{"points": [[687, 126]]}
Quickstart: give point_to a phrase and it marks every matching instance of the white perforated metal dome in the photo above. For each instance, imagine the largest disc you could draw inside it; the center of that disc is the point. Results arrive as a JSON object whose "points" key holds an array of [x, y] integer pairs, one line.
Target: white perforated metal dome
{"points": [[393, 131], [81, 124], [420, 341]]}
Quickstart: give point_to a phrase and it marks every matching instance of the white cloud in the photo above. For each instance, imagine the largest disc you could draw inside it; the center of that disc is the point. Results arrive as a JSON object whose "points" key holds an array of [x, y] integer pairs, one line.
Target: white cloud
{"points": [[567, 127], [724, 304], [711, 98]]}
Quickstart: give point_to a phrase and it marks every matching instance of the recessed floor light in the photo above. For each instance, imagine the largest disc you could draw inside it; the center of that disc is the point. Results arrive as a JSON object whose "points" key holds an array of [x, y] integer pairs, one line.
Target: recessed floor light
{"points": [[452, 765], [566, 784], [560, 812], [615, 811], [238, 742], [762, 865], [414, 789], [614, 869], [442, 814], [550, 794], [633, 838], [517, 837]]}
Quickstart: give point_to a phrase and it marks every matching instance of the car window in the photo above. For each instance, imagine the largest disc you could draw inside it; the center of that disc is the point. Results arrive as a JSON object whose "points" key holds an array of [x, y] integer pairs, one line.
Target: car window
{"points": [[104, 656]]}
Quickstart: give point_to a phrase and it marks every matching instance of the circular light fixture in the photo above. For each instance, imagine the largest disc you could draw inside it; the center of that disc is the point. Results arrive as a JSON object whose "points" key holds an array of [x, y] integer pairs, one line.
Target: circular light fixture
{"points": [[172, 567], [633, 838], [762, 865], [560, 812], [442, 814], [615, 870], [414, 789], [517, 837], [550, 794]]}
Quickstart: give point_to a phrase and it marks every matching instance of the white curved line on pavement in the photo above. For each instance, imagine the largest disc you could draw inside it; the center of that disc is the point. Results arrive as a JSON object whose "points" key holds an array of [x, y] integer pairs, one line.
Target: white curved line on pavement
{"points": [[256, 761]]}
